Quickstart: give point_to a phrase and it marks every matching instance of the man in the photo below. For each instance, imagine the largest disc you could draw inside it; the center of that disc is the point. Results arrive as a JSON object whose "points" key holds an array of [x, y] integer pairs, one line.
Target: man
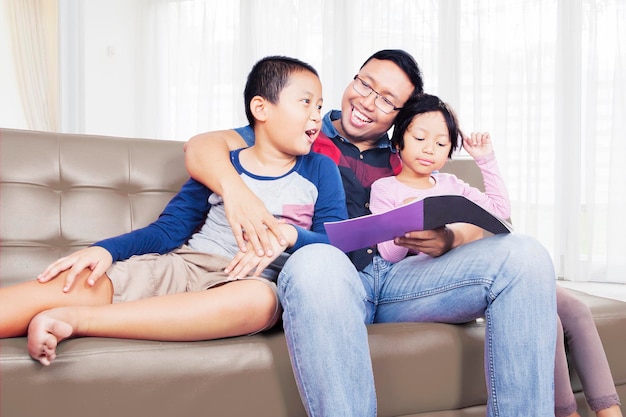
{"points": [[508, 279]]}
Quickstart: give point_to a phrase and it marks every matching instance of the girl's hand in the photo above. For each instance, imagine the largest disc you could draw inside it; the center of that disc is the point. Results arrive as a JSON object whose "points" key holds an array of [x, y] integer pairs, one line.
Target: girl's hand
{"points": [[95, 258], [431, 242], [478, 144]]}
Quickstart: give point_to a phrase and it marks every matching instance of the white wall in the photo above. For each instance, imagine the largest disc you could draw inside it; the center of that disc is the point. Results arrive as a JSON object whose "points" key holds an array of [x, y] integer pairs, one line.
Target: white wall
{"points": [[102, 85], [109, 66]]}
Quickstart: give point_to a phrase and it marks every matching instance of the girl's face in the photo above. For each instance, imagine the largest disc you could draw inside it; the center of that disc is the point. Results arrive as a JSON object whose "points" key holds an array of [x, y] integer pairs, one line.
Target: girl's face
{"points": [[426, 145]]}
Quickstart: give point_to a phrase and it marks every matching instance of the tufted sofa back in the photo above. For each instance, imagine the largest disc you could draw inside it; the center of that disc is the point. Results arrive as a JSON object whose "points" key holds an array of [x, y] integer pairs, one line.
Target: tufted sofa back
{"points": [[62, 192]]}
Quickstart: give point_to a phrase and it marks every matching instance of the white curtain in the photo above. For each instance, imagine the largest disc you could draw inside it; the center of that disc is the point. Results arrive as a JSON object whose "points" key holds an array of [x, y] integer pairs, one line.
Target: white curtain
{"points": [[196, 53], [546, 77], [33, 36]]}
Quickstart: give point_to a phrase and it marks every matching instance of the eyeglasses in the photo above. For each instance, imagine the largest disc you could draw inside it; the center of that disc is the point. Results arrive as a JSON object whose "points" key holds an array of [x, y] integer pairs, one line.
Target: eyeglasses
{"points": [[365, 90]]}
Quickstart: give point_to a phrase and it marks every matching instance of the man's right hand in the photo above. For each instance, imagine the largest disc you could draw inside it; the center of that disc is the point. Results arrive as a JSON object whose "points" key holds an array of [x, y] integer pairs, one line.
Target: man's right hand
{"points": [[208, 161], [250, 263], [251, 222], [95, 258]]}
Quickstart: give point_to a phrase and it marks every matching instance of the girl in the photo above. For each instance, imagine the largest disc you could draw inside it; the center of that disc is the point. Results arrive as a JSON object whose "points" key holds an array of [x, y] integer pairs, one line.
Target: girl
{"points": [[426, 133]]}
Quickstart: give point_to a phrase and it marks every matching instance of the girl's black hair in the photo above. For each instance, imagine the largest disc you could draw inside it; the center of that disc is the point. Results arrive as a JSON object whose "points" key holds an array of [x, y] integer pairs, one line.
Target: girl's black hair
{"points": [[425, 103]]}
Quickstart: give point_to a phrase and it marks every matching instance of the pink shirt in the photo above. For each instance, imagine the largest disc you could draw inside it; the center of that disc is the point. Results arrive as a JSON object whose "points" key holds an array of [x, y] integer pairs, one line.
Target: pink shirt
{"points": [[388, 193]]}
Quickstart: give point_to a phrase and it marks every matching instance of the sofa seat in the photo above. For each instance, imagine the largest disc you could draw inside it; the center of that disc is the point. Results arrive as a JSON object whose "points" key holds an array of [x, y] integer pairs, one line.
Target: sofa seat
{"points": [[61, 192]]}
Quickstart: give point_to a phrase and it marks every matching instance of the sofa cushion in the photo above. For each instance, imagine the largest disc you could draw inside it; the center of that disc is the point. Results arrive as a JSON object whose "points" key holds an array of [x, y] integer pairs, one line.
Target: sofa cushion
{"points": [[63, 192]]}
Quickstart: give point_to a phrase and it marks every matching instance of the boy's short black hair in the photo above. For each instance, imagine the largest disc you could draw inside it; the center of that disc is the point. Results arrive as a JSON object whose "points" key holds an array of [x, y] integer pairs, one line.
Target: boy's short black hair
{"points": [[268, 77], [425, 103], [407, 63]]}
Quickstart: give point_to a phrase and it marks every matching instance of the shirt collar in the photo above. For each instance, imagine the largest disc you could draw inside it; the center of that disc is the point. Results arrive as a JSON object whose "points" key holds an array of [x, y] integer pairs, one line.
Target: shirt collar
{"points": [[329, 130]]}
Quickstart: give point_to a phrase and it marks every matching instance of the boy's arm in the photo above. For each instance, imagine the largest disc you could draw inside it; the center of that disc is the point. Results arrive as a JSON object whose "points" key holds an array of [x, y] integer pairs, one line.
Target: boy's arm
{"points": [[330, 205], [185, 212], [180, 218], [208, 161]]}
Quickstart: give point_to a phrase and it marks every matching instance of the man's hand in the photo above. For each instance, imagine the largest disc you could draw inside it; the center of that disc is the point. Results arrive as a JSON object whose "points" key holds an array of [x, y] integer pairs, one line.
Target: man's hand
{"points": [[244, 263], [95, 258], [431, 242], [208, 161], [247, 214]]}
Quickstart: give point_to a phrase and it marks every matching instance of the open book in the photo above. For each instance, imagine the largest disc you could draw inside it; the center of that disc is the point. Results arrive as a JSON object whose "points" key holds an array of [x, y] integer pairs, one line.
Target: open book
{"points": [[426, 214]]}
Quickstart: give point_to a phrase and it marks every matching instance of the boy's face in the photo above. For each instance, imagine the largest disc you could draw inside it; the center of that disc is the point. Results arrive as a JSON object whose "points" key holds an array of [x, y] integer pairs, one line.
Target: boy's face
{"points": [[295, 121], [361, 119], [426, 144]]}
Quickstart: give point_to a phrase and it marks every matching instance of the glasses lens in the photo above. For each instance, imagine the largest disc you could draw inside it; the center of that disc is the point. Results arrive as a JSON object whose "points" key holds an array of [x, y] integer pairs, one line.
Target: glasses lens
{"points": [[384, 105], [365, 90], [361, 88]]}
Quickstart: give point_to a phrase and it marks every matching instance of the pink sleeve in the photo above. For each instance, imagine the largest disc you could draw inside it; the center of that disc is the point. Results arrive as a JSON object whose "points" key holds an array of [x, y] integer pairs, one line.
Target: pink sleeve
{"points": [[385, 196], [495, 187], [495, 199]]}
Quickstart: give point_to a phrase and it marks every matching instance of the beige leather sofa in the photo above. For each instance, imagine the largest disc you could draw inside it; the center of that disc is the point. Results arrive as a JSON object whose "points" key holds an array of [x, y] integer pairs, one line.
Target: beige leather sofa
{"points": [[61, 192]]}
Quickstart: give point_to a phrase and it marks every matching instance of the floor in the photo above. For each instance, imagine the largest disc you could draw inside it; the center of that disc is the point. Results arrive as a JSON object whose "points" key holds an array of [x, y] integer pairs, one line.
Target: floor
{"points": [[608, 290]]}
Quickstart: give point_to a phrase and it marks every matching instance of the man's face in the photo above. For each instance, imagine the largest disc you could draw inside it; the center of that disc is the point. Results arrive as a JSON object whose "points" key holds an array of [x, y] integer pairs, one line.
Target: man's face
{"points": [[362, 120]]}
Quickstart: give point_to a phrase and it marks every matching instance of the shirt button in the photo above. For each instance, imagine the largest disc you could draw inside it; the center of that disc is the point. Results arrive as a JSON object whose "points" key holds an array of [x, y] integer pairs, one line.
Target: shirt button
{"points": [[361, 156], [370, 251], [367, 205]]}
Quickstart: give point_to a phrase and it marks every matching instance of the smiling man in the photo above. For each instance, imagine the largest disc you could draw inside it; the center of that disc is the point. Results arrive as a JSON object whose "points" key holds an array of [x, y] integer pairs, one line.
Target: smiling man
{"points": [[329, 298]]}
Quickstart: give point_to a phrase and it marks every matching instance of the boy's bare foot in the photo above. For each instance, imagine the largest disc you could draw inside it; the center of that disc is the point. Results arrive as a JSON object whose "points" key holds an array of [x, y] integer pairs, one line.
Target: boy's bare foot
{"points": [[45, 332]]}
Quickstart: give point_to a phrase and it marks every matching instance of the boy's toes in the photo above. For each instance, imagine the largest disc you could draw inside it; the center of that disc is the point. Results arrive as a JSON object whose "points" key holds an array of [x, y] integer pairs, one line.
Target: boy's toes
{"points": [[44, 334]]}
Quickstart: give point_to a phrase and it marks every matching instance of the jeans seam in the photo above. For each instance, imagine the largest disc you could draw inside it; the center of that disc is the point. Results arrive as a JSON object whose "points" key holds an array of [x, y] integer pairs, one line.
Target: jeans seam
{"points": [[492, 382], [295, 354], [439, 290]]}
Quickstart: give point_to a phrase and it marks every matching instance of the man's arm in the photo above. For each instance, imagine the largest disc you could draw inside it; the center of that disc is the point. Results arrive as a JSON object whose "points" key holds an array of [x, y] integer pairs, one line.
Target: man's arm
{"points": [[207, 156]]}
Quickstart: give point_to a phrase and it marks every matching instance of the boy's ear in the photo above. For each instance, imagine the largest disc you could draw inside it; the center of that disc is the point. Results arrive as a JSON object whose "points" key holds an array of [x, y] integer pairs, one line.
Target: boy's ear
{"points": [[258, 108]]}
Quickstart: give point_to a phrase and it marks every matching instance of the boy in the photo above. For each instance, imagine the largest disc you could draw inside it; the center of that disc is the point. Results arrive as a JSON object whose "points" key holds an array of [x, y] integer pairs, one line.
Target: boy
{"points": [[184, 294]]}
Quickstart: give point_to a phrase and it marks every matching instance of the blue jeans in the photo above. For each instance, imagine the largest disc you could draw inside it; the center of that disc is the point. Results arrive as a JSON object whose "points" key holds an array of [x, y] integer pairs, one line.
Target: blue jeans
{"points": [[508, 279]]}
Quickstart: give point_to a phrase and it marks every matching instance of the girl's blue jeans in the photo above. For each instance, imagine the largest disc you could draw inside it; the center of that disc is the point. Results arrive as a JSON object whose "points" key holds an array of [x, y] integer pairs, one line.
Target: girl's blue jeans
{"points": [[507, 279]]}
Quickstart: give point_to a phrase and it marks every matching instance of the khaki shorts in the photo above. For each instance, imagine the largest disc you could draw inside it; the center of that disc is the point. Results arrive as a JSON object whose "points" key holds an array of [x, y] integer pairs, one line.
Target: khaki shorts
{"points": [[182, 270]]}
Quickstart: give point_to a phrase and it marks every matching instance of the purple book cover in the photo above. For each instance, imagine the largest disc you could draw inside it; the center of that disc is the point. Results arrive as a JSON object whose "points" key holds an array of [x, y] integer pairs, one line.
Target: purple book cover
{"points": [[429, 213]]}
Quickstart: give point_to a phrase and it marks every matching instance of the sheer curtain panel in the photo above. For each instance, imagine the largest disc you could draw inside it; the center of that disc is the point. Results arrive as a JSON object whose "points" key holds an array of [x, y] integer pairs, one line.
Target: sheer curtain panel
{"points": [[545, 77]]}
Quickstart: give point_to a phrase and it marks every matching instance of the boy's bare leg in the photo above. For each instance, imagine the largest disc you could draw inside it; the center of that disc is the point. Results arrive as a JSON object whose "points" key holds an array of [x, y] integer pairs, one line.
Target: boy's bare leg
{"points": [[21, 302], [237, 308]]}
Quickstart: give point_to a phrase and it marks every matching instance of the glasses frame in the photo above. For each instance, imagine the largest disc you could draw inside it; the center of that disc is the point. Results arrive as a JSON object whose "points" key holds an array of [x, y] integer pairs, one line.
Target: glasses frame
{"points": [[365, 85]]}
